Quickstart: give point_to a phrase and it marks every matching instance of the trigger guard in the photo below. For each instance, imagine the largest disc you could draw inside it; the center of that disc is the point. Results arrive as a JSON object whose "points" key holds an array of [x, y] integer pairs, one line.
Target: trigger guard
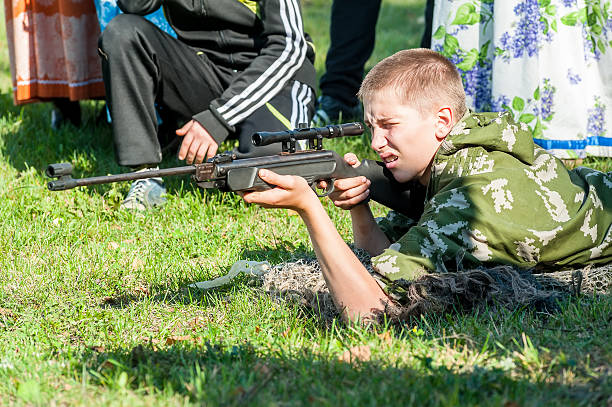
{"points": [[327, 191]]}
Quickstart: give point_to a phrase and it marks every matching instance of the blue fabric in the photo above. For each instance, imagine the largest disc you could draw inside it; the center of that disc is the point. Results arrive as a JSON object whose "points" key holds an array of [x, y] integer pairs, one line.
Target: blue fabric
{"points": [[108, 9], [573, 144]]}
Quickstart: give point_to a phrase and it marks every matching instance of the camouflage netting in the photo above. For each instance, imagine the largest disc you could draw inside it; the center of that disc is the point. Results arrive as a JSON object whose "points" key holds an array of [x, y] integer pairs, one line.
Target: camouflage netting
{"points": [[302, 281]]}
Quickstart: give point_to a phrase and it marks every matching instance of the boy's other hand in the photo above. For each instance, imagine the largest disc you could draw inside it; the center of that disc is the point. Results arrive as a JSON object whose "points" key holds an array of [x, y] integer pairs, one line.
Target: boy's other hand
{"points": [[349, 192], [198, 145], [352, 160], [291, 192]]}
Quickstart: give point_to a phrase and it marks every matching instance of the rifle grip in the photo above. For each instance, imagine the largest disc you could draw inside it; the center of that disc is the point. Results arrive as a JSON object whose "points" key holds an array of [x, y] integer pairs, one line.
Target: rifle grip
{"points": [[245, 179], [407, 198]]}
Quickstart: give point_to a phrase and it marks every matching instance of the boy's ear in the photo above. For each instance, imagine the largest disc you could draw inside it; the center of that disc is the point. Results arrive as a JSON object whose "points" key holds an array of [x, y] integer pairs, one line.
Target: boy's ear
{"points": [[444, 121]]}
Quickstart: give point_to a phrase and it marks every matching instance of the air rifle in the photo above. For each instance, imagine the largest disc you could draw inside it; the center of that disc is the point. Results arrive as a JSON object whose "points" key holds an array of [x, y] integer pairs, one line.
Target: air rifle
{"points": [[226, 172]]}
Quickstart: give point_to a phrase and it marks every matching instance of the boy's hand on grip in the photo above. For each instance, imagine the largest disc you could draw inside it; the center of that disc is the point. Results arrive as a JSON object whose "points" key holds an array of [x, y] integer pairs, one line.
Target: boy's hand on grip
{"points": [[349, 192], [290, 192]]}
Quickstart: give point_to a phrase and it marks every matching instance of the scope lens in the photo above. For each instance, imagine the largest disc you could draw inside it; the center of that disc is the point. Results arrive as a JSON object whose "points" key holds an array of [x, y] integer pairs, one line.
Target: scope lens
{"points": [[256, 139]]}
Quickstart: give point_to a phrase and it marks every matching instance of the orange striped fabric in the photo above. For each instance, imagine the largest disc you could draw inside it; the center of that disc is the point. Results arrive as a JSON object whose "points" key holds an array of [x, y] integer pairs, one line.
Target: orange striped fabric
{"points": [[53, 49]]}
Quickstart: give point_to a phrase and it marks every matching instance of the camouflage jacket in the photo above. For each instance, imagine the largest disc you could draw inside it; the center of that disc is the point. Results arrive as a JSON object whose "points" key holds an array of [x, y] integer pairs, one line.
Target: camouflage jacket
{"points": [[494, 197]]}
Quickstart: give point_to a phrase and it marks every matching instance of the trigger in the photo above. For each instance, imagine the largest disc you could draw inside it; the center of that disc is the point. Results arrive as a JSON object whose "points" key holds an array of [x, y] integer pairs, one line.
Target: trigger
{"points": [[328, 190]]}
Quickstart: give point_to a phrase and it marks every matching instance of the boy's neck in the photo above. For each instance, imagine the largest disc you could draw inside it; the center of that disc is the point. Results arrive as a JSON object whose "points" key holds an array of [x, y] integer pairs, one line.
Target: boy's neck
{"points": [[424, 179]]}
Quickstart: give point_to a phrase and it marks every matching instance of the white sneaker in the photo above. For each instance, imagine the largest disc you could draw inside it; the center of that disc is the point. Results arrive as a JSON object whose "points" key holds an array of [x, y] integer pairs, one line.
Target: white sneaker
{"points": [[145, 194]]}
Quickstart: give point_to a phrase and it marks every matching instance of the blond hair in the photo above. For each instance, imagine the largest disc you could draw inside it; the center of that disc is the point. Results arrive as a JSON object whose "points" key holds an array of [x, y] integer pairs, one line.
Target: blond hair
{"points": [[421, 78]]}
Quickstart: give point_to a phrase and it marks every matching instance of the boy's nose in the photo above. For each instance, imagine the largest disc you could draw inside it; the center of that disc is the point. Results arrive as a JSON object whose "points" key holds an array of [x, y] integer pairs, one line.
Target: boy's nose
{"points": [[378, 140]]}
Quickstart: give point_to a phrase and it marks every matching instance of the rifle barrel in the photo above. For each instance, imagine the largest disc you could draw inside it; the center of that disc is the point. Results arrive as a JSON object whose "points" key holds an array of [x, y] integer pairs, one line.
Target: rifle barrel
{"points": [[62, 184], [132, 176]]}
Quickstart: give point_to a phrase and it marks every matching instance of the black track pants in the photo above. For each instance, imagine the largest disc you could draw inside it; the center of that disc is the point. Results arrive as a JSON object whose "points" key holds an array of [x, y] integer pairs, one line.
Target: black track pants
{"points": [[143, 66], [352, 33]]}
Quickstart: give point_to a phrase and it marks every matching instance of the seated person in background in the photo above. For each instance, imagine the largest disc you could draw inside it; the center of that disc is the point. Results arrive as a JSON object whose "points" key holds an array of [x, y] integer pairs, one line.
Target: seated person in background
{"points": [[493, 196], [234, 68]]}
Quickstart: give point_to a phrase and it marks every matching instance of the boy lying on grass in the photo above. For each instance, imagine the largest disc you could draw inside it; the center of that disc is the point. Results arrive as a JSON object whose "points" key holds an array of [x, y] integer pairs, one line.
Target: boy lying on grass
{"points": [[493, 196]]}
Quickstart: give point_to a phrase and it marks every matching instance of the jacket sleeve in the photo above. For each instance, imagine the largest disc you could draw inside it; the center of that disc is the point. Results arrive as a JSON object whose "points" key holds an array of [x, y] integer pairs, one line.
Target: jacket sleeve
{"points": [[280, 58], [139, 7], [446, 235]]}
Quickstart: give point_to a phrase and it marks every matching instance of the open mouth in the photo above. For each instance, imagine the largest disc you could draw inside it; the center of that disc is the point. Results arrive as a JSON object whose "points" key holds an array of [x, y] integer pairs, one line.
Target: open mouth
{"points": [[389, 159]]}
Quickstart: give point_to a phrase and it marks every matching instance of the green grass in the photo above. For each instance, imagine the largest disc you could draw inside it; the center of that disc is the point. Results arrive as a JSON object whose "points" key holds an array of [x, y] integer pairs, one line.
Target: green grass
{"points": [[94, 311]]}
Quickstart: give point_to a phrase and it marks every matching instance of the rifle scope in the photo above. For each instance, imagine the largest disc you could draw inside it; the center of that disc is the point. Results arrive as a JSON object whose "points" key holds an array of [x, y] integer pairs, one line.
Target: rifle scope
{"points": [[264, 138]]}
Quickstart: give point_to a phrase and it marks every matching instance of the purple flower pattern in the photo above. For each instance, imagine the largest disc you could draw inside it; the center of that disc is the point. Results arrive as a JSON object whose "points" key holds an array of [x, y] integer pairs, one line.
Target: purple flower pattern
{"points": [[530, 31], [596, 123], [531, 27], [476, 81], [477, 84], [546, 100], [595, 21], [573, 78], [500, 104], [590, 47]]}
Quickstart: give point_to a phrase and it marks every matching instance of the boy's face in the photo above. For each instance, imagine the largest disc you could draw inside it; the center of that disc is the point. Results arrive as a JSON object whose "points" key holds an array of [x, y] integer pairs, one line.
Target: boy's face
{"points": [[405, 140]]}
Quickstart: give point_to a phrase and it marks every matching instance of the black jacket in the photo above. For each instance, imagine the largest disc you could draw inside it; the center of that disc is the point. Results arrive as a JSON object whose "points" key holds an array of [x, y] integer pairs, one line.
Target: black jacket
{"points": [[263, 40]]}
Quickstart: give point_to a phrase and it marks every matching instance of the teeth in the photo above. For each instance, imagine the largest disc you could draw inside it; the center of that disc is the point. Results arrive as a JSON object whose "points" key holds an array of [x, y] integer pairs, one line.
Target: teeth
{"points": [[390, 159]]}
